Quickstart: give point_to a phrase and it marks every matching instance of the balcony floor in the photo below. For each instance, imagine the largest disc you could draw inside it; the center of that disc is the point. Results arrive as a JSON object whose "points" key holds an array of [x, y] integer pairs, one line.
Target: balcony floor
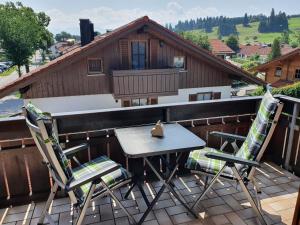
{"points": [[225, 204]]}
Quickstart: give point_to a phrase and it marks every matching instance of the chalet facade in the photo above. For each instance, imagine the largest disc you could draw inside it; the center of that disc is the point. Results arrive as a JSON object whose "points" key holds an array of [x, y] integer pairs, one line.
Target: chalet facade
{"points": [[137, 64], [282, 71]]}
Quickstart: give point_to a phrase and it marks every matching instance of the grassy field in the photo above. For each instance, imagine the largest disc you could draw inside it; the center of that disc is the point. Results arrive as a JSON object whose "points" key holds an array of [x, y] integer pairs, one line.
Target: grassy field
{"points": [[251, 34], [8, 72]]}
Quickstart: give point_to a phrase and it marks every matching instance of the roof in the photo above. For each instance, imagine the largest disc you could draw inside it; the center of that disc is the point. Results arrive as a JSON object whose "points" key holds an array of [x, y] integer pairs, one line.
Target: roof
{"points": [[281, 83], [106, 38], [219, 47], [262, 50], [250, 50], [293, 53]]}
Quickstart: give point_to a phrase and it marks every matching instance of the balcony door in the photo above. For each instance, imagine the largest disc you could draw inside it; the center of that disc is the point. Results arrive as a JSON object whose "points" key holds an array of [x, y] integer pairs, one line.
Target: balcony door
{"points": [[138, 55]]}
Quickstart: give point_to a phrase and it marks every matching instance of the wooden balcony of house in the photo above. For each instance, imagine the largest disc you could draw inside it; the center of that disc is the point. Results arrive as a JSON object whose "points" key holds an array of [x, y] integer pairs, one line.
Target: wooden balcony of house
{"points": [[25, 181], [148, 82]]}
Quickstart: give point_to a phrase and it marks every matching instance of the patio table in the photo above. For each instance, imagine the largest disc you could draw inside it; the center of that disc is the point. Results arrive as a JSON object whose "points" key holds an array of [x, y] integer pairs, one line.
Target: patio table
{"points": [[137, 142]]}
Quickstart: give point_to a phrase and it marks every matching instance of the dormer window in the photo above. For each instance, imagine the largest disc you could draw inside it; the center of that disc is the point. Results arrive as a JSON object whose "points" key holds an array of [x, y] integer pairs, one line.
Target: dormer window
{"points": [[95, 66], [278, 71]]}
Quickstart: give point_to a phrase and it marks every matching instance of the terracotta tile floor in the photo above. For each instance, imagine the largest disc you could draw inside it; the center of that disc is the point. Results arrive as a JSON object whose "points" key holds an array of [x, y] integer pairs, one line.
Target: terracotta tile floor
{"points": [[225, 204]]}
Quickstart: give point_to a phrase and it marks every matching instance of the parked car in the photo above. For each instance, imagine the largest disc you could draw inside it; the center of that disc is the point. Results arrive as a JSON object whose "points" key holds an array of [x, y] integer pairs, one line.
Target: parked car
{"points": [[3, 66]]}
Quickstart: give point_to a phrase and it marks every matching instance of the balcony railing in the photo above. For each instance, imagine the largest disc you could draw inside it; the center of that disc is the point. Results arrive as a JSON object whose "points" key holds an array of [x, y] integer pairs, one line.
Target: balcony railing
{"points": [[24, 178], [145, 83]]}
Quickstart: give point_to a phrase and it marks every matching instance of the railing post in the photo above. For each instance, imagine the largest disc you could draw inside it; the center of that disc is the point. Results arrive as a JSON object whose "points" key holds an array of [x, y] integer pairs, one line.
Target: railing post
{"points": [[291, 136], [167, 116]]}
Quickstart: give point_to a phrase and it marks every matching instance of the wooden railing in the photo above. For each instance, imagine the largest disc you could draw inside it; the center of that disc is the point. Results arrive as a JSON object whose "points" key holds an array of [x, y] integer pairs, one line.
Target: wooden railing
{"points": [[24, 178], [145, 83]]}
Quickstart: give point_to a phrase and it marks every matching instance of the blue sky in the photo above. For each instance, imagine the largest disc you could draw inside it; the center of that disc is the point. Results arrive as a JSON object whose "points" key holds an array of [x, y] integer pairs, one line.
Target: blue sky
{"points": [[109, 14]]}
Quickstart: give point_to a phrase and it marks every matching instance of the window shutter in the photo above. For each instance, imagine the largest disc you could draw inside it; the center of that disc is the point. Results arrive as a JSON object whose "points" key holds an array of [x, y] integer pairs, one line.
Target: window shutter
{"points": [[192, 97], [125, 103], [154, 44], [153, 101], [124, 53], [216, 95]]}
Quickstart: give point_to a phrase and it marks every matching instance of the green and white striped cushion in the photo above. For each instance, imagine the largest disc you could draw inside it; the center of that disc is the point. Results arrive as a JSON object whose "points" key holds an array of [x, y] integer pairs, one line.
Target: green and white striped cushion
{"points": [[251, 146], [99, 164], [34, 113], [199, 162]]}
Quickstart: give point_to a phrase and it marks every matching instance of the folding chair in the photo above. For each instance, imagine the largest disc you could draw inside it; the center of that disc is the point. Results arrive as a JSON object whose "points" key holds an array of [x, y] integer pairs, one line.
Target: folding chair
{"points": [[91, 180], [239, 166]]}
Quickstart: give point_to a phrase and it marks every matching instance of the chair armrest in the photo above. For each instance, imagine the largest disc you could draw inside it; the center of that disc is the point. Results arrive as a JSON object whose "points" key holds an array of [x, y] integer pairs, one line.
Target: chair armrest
{"points": [[94, 176], [228, 136], [73, 150], [231, 159]]}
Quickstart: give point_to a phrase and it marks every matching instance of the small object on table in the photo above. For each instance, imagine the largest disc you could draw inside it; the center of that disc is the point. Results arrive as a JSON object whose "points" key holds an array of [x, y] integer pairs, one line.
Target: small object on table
{"points": [[158, 130]]}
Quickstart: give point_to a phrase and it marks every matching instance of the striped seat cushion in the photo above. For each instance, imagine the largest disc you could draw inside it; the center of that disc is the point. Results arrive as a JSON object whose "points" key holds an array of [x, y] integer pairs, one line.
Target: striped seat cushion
{"points": [[199, 162], [99, 164], [251, 146], [34, 114]]}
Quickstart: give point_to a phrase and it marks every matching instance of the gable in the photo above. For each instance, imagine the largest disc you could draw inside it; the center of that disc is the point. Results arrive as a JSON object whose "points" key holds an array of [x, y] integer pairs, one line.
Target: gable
{"points": [[71, 63]]}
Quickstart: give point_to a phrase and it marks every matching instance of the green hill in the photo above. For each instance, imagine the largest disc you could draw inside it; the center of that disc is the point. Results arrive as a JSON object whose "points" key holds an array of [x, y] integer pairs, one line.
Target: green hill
{"points": [[251, 35]]}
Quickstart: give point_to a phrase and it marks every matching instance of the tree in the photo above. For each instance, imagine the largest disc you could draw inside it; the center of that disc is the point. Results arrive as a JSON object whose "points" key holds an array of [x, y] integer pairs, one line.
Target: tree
{"points": [[246, 20], [226, 28], [196, 38], [22, 32], [275, 52], [297, 36], [63, 36], [272, 21], [262, 27], [233, 43], [285, 37]]}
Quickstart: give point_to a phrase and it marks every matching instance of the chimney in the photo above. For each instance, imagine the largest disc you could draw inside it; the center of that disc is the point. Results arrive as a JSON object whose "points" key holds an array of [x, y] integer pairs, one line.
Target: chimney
{"points": [[86, 31]]}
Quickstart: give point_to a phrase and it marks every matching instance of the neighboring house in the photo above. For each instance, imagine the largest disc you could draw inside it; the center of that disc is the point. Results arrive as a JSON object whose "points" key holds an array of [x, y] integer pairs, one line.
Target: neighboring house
{"points": [[137, 64], [282, 71], [262, 50], [60, 48], [220, 49]]}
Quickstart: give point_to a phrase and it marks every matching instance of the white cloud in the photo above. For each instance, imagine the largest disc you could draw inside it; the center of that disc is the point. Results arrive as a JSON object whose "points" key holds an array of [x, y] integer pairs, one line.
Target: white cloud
{"points": [[108, 18]]}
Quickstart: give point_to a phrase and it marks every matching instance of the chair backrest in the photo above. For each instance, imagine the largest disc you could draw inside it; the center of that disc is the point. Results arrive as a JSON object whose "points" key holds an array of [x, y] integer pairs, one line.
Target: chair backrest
{"points": [[44, 134], [261, 131]]}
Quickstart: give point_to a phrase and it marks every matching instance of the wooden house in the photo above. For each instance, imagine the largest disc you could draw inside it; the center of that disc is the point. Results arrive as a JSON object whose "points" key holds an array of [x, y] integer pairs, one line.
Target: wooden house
{"points": [[220, 49], [137, 64], [282, 71]]}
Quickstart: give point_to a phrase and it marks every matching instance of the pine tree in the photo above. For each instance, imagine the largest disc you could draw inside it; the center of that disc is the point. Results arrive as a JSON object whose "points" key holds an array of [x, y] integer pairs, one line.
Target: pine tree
{"points": [[246, 20], [233, 43], [275, 52], [285, 37], [272, 21]]}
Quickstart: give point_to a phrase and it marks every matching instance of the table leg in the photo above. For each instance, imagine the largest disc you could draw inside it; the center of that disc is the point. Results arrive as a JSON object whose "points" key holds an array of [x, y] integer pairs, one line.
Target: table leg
{"points": [[166, 183], [170, 185], [143, 193], [130, 189]]}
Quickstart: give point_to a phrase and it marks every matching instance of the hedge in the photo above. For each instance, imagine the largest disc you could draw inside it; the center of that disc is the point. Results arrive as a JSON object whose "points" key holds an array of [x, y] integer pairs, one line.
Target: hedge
{"points": [[290, 90]]}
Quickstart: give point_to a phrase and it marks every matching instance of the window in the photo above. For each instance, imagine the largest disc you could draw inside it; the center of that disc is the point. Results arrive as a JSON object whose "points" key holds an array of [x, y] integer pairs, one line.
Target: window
{"points": [[139, 102], [179, 62], [95, 66], [278, 71], [138, 55], [204, 96], [297, 73]]}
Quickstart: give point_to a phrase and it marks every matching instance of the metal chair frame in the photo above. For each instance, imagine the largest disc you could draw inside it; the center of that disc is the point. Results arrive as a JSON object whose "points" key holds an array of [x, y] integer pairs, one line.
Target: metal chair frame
{"points": [[40, 134], [231, 160]]}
